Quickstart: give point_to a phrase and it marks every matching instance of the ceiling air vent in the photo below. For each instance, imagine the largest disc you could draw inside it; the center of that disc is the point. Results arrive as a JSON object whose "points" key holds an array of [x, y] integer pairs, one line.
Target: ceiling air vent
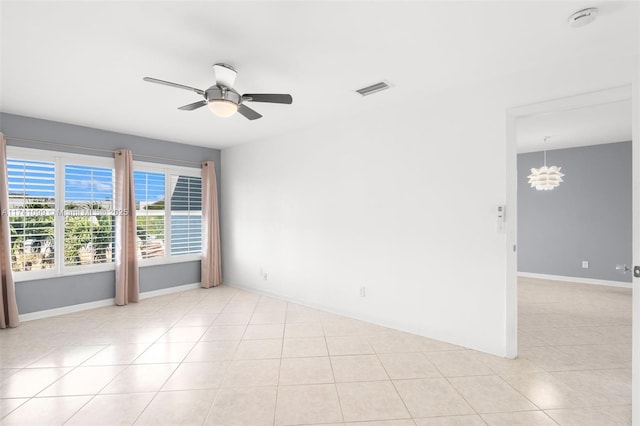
{"points": [[583, 17], [373, 88]]}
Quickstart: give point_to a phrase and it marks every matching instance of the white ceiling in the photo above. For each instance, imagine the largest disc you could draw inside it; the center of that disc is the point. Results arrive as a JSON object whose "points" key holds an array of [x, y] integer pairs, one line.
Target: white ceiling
{"points": [[592, 125], [83, 62]]}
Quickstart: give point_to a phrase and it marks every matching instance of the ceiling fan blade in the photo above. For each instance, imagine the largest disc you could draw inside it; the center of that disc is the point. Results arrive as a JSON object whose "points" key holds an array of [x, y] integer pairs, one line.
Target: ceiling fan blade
{"points": [[193, 106], [168, 83], [275, 98], [248, 112]]}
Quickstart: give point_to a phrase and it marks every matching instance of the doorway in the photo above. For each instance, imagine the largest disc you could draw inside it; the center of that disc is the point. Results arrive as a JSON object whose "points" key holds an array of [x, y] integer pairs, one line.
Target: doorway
{"points": [[543, 112]]}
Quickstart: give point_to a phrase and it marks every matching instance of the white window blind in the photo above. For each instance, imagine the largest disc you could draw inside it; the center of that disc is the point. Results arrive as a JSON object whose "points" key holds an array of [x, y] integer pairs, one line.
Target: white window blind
{"points": [[88, 215], [186, 214], [62, 214], [31, 214], [150, 213]]}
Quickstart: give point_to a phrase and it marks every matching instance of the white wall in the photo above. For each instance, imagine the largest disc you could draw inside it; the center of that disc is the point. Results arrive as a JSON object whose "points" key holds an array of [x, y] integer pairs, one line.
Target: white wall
{"points": [[400, 201], [386, 201]]}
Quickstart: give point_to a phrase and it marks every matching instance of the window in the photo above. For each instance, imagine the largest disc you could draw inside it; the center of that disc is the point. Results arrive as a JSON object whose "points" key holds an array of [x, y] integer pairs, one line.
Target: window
{"points": [[88, 215], [62, 215], [150, 217], [31, 214], [186, 214]]}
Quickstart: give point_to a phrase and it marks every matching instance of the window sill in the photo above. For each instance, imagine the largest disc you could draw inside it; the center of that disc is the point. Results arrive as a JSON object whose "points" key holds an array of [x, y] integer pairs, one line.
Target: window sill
{"points": [[19, 277], [49, 274], [169, 260]]}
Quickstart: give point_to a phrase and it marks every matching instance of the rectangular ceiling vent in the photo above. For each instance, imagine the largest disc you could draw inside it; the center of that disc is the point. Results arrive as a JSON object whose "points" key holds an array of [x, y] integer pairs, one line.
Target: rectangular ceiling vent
{"points": [[373, 88]]}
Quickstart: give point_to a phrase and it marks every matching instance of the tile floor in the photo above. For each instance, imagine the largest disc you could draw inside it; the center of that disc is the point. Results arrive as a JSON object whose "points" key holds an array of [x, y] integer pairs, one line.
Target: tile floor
{"points": [[229, 357]]}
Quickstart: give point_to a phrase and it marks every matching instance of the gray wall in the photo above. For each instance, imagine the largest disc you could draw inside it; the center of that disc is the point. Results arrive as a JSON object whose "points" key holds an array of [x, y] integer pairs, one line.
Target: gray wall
{"points": [[588, 217], [37, 295]]}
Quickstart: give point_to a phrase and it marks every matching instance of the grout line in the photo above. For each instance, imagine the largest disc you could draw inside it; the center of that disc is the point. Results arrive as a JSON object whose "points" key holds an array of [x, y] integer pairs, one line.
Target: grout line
{"points": [[333, 374], [72, 368], [275, 408], [406, 407], [145, 407], [27, 399], [226, 370], [516, 412], [78, 410], [175, 369], [147, 316], [94, 395], [520, 393], [550, 418], [457, 391]]}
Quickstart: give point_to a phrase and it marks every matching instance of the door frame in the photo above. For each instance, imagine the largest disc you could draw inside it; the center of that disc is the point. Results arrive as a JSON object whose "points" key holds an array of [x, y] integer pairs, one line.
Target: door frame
{"points": [[615, 94], [635, 150]]}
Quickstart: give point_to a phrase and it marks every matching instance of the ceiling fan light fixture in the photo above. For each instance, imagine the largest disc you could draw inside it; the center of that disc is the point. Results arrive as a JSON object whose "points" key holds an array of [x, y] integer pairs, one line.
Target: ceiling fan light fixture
{"points": [[222, 99], [225, 75], [223, 108]]}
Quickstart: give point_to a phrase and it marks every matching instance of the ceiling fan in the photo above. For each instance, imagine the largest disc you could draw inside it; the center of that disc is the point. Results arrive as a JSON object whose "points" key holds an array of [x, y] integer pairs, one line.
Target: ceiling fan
{"points": [[222, 99]]}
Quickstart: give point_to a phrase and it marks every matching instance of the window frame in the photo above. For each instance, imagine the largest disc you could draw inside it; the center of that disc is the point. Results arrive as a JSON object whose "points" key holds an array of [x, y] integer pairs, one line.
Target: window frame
{"points": [[19, 153], [60, 160], [168, 170], [87, 161]]}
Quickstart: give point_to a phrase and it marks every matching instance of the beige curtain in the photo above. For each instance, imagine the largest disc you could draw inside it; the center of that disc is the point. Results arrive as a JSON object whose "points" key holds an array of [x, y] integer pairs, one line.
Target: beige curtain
{"points": [[9, 307], [127, 281], [211, 269]]}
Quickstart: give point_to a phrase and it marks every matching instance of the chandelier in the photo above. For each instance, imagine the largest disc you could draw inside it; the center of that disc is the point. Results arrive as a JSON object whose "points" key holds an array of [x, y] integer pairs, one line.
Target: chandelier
{"points": [[545, 178]]}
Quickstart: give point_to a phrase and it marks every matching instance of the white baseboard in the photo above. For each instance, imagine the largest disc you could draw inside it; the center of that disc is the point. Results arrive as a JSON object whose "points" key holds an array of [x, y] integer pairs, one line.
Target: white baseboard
{"points": [[101, 303], [168, 290], [308, 304], [66, 310], [349, 314], [575, 280]]}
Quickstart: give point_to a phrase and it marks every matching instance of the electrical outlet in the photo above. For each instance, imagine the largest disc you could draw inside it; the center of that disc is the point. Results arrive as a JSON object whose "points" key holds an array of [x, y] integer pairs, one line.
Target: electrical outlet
{"points": [[585, 264], [263, 273], [363, 292]]}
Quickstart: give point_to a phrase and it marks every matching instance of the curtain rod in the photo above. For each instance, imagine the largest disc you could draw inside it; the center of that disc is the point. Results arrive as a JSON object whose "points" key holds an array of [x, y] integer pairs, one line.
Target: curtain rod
{"points": [[99, 150]]}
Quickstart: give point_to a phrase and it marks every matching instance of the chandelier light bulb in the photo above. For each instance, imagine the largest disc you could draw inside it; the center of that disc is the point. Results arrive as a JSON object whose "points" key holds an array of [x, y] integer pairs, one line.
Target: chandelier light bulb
{"points": [[545, 178]]}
